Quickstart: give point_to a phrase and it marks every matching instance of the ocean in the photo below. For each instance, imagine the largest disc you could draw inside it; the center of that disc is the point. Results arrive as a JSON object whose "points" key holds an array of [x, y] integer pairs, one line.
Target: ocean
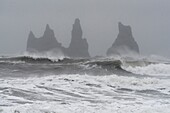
{"points": [[34, 84]]}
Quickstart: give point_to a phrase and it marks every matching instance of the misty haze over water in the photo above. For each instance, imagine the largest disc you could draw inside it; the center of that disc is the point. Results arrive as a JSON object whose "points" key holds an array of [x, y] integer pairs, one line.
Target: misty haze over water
{"points": [[149, 20], [84, 56]]}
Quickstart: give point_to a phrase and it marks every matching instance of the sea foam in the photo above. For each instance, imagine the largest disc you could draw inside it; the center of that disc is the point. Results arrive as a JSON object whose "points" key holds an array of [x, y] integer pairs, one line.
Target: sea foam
{"points": [[152, 69], [83, 94]]}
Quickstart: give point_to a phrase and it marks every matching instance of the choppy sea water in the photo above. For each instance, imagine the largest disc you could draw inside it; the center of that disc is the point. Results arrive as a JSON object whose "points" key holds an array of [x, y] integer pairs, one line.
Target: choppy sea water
{"points": [[96, 85]]}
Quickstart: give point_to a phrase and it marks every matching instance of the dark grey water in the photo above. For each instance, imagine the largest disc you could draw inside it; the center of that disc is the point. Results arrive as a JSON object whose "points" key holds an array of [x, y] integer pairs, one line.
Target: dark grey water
{"points": [[102, 85]]}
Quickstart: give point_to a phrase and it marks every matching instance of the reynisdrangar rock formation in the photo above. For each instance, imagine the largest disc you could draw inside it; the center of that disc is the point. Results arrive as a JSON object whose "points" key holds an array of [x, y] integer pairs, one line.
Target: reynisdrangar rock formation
{"points": [[78, 46], [48, 42], [125, 43], [45, 43]]}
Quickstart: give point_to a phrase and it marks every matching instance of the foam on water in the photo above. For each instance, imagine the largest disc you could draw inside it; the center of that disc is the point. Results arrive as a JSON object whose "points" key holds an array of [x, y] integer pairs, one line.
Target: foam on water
{"points": [[48, 55], [152, 69], [74, 93], [84, 94], [12, 62]]}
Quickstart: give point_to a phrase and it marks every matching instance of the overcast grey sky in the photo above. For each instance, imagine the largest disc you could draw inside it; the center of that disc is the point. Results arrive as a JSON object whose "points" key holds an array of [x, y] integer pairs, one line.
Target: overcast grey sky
{"points": [[149, 19]]}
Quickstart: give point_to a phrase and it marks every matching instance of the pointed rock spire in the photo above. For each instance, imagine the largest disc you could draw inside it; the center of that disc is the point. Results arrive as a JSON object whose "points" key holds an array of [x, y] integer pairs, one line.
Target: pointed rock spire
{"points": [[31, 38], [47, 27], [49, 33], [31, 35], [124, 30], [77, 31], [78, 46], [124, 43], [45, 43]]}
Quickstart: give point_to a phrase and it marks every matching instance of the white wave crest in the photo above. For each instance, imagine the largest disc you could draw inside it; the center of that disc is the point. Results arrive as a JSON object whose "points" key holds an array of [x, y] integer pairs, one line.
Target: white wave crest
{"points": [[12, 62], [152, 69], [49, 55]]}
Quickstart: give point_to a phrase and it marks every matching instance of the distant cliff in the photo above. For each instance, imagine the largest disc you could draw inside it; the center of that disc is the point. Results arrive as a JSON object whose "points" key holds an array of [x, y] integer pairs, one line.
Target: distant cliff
{"points": [[125, 43], [48, 42]]}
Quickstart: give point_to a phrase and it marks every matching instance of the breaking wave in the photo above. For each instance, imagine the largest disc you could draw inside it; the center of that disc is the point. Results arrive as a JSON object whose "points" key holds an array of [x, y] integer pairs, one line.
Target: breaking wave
{"points": [[37, 83], [29, 64], [152, 69], [27, 57], [95, 66]]}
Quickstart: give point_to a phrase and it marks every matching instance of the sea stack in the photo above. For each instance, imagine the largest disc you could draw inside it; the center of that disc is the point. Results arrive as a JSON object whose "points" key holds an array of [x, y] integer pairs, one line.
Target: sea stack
{"points": [[78, 46], [124, 44], [45, 43]]}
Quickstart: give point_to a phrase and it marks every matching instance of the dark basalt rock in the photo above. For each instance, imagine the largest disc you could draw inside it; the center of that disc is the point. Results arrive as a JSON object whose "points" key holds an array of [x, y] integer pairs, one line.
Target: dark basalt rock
{"points": [[45, 43], [125, 43], [78, 46]]}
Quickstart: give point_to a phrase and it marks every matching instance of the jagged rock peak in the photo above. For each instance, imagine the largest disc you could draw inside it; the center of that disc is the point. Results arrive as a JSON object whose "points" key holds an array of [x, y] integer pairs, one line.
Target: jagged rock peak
{"points": [[125, 43], [47, 27], [77, 30], [49, 33], [45, 43], [31, 35], [77, 23], [78, 46], [124, 30]]}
